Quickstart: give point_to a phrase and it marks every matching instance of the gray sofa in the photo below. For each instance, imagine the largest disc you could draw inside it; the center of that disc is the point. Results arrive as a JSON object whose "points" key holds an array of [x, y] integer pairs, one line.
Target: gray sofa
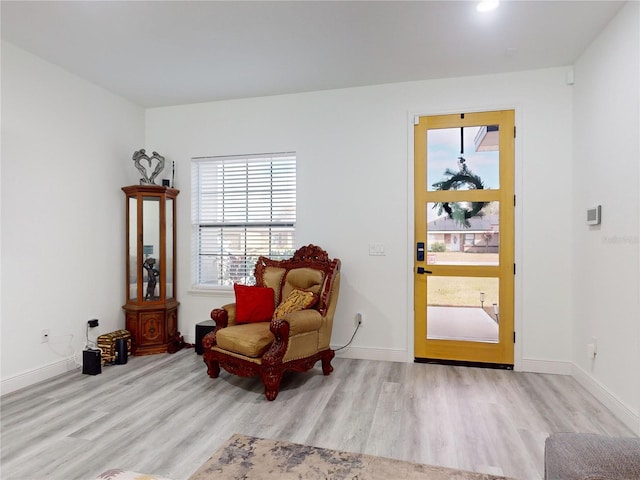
{"points": [[586, 456]]}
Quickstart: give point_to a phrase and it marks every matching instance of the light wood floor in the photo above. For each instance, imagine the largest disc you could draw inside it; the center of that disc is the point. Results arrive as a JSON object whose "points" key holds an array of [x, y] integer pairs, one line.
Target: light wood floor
{"points": [[162, 414]]}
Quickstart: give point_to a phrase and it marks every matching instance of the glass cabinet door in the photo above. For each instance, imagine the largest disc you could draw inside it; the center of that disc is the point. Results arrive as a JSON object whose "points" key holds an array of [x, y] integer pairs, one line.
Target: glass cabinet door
{"points": [[170, 267], [132, 267], [150, 244], [151, 251]]}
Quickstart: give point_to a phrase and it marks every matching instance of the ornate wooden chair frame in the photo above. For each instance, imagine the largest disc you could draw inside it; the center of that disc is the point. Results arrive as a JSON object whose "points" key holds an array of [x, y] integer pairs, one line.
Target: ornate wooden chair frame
{"points": [[271, 367]]}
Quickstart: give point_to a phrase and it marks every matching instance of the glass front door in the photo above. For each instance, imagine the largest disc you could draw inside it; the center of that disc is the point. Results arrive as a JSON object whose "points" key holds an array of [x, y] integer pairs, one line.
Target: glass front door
{"points": [[464, 207]]}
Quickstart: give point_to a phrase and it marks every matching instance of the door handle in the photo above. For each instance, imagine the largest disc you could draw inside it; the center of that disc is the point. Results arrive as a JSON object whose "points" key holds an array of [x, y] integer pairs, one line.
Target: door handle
{"points": [[422, 271]]}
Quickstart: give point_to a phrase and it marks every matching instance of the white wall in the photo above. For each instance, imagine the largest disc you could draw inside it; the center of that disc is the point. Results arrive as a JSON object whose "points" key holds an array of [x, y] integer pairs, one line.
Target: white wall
{"points": [[355, 173], [606, 280], [65, 145]]}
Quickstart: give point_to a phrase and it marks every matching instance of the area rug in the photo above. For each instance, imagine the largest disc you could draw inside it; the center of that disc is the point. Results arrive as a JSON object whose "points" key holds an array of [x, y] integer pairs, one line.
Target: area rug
{"points": [[251, 458]]}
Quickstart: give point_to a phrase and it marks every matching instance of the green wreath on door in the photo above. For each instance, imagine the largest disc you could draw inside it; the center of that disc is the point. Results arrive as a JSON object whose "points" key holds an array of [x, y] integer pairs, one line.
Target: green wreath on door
{"points": [[456, 180]]}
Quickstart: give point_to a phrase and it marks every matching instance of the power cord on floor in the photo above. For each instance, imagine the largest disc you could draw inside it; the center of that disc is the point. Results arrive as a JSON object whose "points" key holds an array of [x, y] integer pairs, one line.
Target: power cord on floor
{"points": [[351, 339], [72, 357]]}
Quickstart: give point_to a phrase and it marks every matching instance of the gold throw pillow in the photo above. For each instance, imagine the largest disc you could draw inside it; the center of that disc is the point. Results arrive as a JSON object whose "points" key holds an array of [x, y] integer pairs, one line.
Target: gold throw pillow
{"points": [[296, 300]]}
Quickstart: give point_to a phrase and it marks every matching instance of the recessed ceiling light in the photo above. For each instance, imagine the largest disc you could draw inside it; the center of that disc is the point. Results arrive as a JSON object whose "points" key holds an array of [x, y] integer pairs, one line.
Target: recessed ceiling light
{"points": [[487, 5]]}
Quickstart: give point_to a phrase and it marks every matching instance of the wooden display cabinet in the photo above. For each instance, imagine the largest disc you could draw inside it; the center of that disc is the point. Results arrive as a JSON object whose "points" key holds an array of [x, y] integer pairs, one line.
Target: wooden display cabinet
{"points": [[151, 309]]}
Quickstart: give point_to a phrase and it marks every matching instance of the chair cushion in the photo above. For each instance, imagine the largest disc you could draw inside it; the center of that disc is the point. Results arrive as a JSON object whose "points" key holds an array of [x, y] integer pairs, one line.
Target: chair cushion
{"points": [[304, 278], [297, 300], [253, 304], [249, 339], [272, 277]]}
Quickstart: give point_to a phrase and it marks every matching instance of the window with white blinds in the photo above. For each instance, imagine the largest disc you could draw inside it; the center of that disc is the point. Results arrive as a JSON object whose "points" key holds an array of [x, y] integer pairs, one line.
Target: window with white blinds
{"points": [[242, 207]]}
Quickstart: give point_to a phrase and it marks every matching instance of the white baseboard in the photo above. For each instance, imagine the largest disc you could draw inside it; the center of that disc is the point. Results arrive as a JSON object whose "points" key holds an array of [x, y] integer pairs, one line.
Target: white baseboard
{"points": [[623, 412], [536, 365], [626, 414], [361, 353], [31, 377]]}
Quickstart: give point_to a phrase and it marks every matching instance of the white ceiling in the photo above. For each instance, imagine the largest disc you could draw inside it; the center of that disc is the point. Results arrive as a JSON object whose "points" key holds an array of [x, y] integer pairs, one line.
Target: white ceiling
{"points": [[159, 53]]}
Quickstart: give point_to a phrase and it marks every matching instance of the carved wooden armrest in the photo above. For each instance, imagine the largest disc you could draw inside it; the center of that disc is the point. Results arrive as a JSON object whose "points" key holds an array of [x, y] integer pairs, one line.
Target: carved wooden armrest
{"points": [[208, 341], [224, 316], [221, 318], [275, 354]]}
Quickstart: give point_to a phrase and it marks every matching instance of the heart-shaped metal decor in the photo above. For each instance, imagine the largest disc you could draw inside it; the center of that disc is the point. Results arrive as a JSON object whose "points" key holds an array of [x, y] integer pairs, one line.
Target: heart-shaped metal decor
{"points": [[140, 156]]}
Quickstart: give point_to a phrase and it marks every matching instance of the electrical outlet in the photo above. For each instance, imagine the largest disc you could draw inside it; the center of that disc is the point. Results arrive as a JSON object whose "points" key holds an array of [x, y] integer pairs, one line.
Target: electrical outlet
{"points": [[44, 336], [358, 319]]}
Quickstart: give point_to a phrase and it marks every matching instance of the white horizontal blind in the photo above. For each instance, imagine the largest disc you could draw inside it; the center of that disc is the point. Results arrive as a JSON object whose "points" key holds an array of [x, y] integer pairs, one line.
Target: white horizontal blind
{"points": [[243, 207]]}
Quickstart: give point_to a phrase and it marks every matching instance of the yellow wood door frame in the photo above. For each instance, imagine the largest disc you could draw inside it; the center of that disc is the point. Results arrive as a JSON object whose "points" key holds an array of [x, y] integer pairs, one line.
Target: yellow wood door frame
{"points": [[503, 352]]}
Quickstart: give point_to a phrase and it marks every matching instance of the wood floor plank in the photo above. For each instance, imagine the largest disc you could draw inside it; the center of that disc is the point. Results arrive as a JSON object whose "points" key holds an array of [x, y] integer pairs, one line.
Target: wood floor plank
{"points": [[162, 414]]}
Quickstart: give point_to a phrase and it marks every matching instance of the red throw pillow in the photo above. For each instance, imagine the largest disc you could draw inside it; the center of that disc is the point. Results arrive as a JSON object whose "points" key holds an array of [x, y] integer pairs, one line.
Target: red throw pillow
{"points": [[253, 304]]}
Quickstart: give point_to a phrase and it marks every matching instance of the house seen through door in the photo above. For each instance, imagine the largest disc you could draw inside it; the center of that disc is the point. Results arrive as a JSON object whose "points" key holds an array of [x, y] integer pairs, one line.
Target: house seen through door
{"points": [[464, 238]]}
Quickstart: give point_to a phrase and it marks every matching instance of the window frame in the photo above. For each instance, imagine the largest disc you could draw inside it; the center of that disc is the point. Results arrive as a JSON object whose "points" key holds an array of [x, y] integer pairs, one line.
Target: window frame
{"points": [[269, 212]]}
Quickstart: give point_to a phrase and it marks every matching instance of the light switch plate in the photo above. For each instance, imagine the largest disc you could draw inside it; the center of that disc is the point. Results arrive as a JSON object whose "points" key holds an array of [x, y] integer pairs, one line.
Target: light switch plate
{"points": [[376, 249]]}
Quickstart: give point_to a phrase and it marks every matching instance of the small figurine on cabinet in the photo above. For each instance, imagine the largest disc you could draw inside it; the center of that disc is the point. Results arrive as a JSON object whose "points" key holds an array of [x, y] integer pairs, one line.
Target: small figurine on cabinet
{"points": [[152, 277], [142, 155]]}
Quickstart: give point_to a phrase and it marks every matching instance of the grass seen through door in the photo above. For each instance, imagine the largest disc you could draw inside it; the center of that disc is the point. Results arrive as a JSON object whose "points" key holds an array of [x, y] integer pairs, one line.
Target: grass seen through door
{"points": [[463, 291]]}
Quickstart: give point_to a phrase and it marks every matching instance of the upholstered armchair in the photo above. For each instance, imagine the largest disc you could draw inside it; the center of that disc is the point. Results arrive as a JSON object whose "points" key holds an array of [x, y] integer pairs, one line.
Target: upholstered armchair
{"points": [[294, 336]]}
